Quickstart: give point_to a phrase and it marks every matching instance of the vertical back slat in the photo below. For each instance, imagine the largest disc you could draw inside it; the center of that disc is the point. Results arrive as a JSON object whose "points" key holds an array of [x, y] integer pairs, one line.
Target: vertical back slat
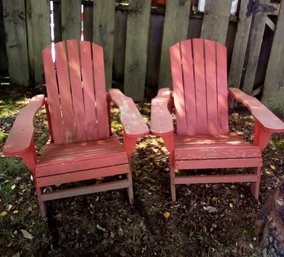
{"points": [[189, 86], [53, 97], [100, 89], [211, 86], [199, 73], [178, 92], [222, 88], [65, 91], [88, 85], [76, 88]]}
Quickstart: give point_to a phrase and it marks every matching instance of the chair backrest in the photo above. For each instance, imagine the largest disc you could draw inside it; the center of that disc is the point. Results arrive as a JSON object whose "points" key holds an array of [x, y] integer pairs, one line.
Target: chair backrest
{"points": [[199, 73], [77, 97]]}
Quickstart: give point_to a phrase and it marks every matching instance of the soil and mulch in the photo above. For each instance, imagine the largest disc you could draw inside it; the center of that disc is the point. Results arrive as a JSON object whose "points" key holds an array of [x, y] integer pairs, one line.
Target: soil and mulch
{"points": [[206, 220]]}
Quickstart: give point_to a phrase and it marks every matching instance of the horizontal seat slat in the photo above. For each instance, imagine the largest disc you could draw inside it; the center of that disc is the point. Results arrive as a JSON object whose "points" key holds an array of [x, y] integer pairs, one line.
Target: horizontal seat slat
{"points": [[82, 175]]}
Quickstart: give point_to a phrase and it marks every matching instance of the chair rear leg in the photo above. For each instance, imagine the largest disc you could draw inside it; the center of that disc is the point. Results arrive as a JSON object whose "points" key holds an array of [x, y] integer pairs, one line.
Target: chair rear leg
{"points": [[255, 186], [173, 186], [42, 204], [130, 187]]}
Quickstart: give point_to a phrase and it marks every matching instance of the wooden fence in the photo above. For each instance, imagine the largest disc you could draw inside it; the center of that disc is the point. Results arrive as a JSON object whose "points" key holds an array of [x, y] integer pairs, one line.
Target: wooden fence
{"points": [[136, 37]]}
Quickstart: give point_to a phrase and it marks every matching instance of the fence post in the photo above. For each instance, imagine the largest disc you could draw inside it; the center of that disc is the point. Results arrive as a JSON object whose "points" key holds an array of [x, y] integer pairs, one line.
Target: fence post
{"points": [[103, 20], [273, 91], [16, 41], [175, 29]]}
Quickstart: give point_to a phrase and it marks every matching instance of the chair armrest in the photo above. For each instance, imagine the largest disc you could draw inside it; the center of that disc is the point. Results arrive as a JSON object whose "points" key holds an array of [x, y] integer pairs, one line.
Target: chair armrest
{"points": [[161, 118], [20, 139], [261, 113], [131, 119]]}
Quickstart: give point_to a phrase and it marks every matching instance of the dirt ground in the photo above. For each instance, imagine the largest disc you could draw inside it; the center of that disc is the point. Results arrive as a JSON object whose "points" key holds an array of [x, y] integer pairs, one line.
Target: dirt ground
{"points": [[206, 220]]}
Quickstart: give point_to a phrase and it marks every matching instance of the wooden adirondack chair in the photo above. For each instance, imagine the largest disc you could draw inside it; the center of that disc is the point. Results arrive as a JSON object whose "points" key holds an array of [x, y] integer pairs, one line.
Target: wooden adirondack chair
{"points": [[202, 139], [81, 146]]}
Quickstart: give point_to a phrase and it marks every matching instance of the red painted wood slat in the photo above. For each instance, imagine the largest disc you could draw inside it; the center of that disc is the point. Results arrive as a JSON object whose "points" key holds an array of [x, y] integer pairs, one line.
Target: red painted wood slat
{"points": [[222, 88], [85, 190], [61, 64], [199, 73], [53, 96], [100, 88], [76, 89], [88, 87], [178, 91], [215, 164], [82, 175], [189, 87], [211, 87]]}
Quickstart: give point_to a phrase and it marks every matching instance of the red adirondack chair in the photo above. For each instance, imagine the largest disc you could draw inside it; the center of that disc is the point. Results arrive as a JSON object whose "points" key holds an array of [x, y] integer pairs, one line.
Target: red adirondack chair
{"points": [[202, 139], [81, 146]]}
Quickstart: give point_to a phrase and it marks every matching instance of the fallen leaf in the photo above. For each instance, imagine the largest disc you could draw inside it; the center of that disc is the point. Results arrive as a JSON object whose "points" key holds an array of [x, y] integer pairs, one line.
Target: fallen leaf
{"points": [[210, 209], [15, 211], [3, 213], [166, 214], [13, 187], [272, 167], [26, 234]]}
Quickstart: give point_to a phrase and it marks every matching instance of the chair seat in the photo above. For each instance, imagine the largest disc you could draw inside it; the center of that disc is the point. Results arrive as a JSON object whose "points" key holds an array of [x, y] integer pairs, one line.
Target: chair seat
{"points": [[92, 159], [217, 147]]}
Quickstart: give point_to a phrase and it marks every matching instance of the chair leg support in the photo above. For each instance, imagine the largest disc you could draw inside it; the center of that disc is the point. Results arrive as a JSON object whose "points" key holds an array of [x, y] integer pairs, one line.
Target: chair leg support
{"points": [[255, 186], [42, 204], [130, 187]]}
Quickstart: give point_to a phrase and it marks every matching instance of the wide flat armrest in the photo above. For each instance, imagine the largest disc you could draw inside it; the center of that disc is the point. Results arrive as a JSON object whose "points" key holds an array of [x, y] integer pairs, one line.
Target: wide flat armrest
{"points": [[268, 119], [161, 118], [130, 117], [21, 135]]}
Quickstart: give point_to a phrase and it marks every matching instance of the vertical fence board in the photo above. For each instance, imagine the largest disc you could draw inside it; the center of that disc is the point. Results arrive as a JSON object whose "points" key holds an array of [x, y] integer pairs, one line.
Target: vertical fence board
{"points": [[136, 48], [88, 23], [3, 53], [239, 51], [216, 20], [154, 50], [254, 46], [70, 15], [175, 29], [119, 45], [57, 21], [273, 92], [40, 21], [16, 41], [103, 34]]}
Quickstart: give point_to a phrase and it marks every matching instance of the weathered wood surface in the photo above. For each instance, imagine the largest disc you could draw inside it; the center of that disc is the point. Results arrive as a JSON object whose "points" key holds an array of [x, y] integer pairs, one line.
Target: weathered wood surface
{"points": [[136, 48], [154, 50], [254, 46], [119, 45], [70, 19], [3, 53], [175, 29], [88, 22], [16, 41], [103, 33], [39, 16], [216, 20], [273, 91], [241, 40]]}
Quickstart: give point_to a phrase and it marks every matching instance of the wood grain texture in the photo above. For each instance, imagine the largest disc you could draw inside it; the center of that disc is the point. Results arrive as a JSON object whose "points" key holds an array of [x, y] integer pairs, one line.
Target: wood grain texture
{"points": [[175, 29], [40, 21], [239, 51], [273, 91], [16, 41], [136, 48], [3, 53], [216, 20], [70, 19], [253, 48], [103, 33]]}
